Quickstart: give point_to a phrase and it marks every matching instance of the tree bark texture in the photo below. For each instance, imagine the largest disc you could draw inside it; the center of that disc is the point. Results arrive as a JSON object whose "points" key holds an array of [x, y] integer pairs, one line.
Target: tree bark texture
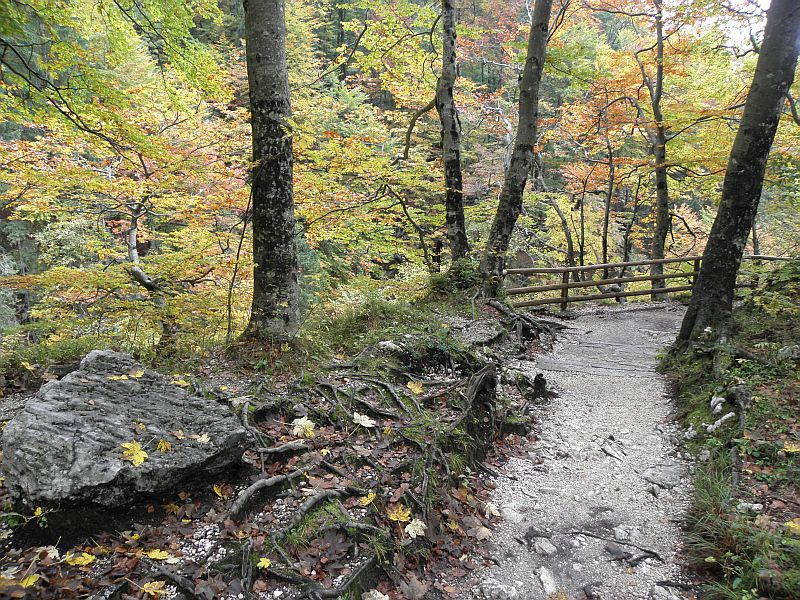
{"points": [[451, 135], [516, 176], [712, 298], [275, 313]]}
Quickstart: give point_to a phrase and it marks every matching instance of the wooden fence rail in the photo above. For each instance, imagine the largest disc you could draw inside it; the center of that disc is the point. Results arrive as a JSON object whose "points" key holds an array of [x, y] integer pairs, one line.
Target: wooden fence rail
{"points": [[566, 285]]}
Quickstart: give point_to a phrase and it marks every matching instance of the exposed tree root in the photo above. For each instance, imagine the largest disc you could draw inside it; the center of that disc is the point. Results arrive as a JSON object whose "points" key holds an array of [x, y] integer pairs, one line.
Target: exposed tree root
{"points": [[239, 506]]}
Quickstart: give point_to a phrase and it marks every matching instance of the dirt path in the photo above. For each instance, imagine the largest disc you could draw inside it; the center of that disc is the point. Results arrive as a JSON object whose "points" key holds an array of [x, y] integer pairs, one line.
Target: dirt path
{"points": [[606, 465]]}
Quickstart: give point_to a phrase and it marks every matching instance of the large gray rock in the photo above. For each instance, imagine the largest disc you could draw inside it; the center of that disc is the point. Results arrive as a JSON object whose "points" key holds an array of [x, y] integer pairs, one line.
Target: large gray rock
{"points": [[65, 446]]}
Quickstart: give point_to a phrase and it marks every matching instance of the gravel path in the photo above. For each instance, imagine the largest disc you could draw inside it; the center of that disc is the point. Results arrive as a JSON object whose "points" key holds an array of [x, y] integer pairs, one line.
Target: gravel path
{"points": [[606, 465]]}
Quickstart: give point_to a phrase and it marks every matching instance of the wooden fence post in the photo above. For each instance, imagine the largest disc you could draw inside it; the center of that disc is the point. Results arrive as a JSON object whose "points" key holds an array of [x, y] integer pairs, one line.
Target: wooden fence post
{"points": [[565, 291], [696, 270]]}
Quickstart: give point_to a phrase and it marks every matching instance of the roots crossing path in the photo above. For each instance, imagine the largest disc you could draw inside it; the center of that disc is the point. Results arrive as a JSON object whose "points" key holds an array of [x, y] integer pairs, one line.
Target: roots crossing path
{"points": [[595, 509]]}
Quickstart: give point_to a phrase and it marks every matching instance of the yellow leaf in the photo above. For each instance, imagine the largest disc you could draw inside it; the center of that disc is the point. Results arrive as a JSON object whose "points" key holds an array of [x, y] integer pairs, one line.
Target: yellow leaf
{"points": [[180, 382], [203, 439], [284, 347], [154, 588], [134, 453], [81, 560], [157, 554], [30, 580], [791, 447], [414, 387], [136, 374], [399, 513], [325, 452], [26, 365], [367, 500], [117, 377], [264, 563], [139, 425], [164, 446], [38, 512], [218, 490], [172, 508], [793, 526]]}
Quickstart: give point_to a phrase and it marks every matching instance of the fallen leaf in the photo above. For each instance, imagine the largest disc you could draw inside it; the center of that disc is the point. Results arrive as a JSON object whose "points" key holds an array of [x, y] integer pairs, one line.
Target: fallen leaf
{"points": [[303, 427], [793, 526], [399, 513], [414, 589], [416, 528], [154, 588], [80, 560], [30, 580], [415, 387], [157, 554], [133, 452], [363, 420]]}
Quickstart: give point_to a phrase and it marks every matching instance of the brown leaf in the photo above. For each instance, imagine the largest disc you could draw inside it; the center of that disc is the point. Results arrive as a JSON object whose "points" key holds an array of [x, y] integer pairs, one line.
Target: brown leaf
{"points": [[414, 589]]}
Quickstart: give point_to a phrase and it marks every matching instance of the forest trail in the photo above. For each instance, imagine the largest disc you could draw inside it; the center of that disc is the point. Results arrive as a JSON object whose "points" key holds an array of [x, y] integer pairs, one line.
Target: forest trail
{"points": [[606, 464]]}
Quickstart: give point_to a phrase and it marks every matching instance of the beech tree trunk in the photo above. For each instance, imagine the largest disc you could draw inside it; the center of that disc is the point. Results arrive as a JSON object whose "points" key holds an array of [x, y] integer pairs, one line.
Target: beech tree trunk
{"points": [[659, 142], [661, 227], [451, 135], [712, 299], [510, 205], [275, 313]]}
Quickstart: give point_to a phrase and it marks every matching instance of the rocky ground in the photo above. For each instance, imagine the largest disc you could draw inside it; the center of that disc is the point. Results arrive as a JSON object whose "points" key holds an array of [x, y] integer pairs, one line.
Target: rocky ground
{"points": [[595, 508]]}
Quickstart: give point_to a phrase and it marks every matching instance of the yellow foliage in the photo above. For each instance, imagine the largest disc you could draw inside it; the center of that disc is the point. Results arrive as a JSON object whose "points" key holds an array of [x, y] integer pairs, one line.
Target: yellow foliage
{"points": [[367, 500], [80, 560], [164, 446], [264, 563], [400, 513], [793, 526], [154, 588], [414, 387], [30, 580], [157, 554], [133, 452]]}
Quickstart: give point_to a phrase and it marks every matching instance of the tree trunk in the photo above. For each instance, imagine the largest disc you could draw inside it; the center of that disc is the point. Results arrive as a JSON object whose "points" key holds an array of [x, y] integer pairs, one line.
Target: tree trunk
{"points": [[275, 314], [659, 141], [609, 191], [661, 228], [451, 136], [516, 176], [567, 232], [712, 299]]}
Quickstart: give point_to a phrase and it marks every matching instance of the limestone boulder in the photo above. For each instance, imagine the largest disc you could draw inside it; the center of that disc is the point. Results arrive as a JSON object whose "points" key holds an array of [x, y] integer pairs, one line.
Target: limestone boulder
{"points": [[65, 447]]}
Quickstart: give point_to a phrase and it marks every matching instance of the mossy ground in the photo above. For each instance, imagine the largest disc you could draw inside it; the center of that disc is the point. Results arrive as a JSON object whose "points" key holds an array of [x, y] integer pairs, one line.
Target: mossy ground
{"points": [[747, 556]]}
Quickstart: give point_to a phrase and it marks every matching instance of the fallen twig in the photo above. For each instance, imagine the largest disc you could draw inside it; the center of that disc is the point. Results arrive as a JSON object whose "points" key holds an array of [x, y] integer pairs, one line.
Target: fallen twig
{"points": [[652, 553]]}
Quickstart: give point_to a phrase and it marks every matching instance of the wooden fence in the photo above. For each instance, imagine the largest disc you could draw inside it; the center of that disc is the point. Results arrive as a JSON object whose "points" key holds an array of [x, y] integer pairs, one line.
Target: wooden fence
{"points": [[566, 285]]}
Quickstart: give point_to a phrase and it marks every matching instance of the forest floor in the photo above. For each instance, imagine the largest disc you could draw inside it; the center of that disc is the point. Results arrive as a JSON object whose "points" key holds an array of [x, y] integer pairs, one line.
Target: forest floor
{"points": [[596, 492], [595, 508]]}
